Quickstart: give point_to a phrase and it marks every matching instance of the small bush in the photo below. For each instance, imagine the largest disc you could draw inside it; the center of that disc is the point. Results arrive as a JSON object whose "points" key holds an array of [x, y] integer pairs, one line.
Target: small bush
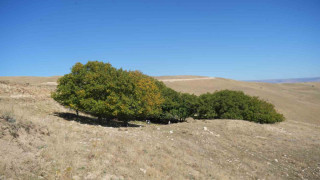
{"points": [[229, 104], [8, 116]]}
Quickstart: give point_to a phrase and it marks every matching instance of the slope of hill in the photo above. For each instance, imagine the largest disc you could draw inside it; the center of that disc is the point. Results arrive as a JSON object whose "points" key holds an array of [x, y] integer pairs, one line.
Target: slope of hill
{"points": [[46, 141], [35, 80]]}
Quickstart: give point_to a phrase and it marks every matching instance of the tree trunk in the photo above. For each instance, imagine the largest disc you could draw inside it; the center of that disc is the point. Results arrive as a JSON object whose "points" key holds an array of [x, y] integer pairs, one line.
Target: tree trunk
{"points": [[99, 120], [125, 123], [77, 115]]}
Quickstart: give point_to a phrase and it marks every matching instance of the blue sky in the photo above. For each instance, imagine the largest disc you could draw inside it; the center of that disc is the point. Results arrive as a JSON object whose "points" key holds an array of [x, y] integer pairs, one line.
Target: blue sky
{"points": [[243, 40]]}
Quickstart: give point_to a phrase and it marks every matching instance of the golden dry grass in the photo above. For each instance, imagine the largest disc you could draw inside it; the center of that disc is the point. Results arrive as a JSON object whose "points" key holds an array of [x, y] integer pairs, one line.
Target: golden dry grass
{"points": [[41, 145]]}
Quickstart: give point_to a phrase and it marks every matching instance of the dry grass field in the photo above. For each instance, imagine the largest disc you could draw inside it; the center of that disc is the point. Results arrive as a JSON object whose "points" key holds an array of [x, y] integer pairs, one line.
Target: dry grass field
{"points": [[43, 140]]}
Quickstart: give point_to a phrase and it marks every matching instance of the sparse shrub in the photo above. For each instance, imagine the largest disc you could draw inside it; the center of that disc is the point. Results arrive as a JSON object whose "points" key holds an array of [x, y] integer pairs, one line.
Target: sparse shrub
{"points": [[229, 104], [8, 115]]}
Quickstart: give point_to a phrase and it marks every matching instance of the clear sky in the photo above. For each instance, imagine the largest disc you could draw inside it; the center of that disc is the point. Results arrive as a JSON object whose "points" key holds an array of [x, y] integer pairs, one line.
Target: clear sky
{"points": [[235, 39]]}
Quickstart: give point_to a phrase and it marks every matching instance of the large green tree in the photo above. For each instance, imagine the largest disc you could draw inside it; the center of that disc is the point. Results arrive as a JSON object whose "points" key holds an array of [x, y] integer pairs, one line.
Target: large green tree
{"points": [[101, 90]]}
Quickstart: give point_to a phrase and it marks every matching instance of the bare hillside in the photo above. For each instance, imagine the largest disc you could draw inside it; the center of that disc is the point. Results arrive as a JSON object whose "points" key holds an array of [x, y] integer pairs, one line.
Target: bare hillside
{"points": [[42, 140]]}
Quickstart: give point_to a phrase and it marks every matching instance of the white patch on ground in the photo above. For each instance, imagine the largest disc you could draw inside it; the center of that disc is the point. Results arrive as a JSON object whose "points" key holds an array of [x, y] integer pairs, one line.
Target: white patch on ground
{"points": [[17, 96], [50, 83]]}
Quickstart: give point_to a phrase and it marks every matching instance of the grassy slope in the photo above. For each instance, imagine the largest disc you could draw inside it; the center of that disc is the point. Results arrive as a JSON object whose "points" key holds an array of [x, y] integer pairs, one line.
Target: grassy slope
{"points": [[228, 149]]}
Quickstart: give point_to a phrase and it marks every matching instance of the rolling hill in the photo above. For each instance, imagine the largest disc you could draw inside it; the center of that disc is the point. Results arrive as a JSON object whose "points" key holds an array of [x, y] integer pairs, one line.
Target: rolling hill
{"points": [[46, 141]]}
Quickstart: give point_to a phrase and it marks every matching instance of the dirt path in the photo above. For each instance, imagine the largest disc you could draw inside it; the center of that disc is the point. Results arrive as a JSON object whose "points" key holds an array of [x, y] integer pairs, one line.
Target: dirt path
{"points": [[174, 80]]}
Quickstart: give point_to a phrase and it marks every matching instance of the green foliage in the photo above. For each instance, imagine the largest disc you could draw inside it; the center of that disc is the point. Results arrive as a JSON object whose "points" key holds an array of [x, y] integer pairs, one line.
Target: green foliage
{"points": [[176, 106], [188, 105], [228, 104], [170, 105], [147, 96], [101, 90]]}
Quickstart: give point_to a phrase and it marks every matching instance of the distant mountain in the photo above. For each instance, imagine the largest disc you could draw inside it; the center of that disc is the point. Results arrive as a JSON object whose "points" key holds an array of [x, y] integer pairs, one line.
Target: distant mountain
{"points": [[294, 80]]}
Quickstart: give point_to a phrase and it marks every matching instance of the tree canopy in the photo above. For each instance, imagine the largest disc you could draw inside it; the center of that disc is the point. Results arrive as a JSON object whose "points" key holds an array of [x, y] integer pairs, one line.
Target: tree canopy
{"points": [[227, 104], [101, 90], [106, 92]]}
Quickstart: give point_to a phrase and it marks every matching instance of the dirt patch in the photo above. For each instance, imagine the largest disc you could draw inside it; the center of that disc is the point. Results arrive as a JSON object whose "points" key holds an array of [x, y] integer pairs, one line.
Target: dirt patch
{"points": [[50, 83], [20, 145]]}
